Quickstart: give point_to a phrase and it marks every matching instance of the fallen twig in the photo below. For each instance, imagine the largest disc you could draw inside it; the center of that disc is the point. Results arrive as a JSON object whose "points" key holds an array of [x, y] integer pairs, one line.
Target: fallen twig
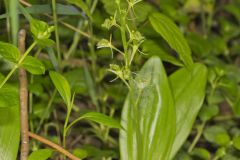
{"points": [[53, 145]]}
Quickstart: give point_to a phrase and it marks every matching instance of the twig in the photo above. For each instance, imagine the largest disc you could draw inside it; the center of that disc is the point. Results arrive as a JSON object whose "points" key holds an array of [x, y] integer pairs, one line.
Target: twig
{"points": [[53, 145], [23, 100]]}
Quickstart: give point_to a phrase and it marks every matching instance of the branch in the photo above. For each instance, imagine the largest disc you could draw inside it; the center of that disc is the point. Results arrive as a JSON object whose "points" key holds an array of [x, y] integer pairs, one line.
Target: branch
{"points": [[23, 101], [53, 145]]}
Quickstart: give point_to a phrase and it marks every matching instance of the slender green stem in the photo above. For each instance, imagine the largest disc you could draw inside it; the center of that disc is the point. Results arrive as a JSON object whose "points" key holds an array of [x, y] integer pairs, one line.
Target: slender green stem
{"points": [[27, 52], [66, 120], [8, 76], [196, 139], [55, 20], [31, 95], [123, 33], [18, 64]]}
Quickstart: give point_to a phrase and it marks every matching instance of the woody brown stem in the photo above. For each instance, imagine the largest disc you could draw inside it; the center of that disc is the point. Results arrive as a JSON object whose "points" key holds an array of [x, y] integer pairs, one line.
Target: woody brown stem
{"points": [[53, 145], [23, 101]]}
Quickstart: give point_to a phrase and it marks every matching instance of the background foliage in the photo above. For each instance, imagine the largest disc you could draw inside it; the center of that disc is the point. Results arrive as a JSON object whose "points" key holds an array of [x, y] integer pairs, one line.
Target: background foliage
{"points": [[78, 49]]}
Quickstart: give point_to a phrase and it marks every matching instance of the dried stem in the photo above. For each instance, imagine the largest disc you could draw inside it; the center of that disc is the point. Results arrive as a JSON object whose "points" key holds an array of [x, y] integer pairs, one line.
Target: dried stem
{"points": [[23, 100], [53, 145]]}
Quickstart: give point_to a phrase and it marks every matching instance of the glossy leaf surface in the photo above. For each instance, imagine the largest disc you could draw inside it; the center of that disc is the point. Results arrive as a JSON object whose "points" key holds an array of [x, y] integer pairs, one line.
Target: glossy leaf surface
{"points": [[188, 88], [170, 33], [148, 116], [33, 65], [62, 86], [10, 127]]}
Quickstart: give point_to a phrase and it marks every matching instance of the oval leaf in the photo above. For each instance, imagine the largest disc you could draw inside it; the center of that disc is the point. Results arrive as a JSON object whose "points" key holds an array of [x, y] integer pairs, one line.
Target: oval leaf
{"points": [[33, 65], [9, 52], [148, 116], [170, 33], [41, 154], [185, 83], [62, 86]]}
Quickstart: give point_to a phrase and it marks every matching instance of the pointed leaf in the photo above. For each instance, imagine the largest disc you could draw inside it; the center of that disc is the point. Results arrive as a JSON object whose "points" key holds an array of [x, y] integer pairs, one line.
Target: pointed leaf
{"points": [[188, 88], [9, 52], [81, 5], [152, 48], [33, 65], [41, 154], [99, 118], [170, 33], [148, 116], [62, 86]]}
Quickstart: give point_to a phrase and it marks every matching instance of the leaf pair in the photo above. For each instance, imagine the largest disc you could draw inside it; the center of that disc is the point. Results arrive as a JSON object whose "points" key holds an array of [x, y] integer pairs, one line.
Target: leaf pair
{"points": [[12, 54], [158, 113]]}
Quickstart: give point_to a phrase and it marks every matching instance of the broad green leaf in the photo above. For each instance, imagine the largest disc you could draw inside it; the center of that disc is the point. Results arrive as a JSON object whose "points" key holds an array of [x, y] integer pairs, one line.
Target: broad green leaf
{"points": [[81, 5], [62, 86], [236, 142], [45, 43], [207, 112], [170, 33], [40, 29], [152, 48], [148, 116], [185, 83], [96, 153], [8, 96], [217, 135], [201, 153], [33, 65], [10, 127], [81, 153], [9, 52], [99, 118], [222, 152], [41, 154]]}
